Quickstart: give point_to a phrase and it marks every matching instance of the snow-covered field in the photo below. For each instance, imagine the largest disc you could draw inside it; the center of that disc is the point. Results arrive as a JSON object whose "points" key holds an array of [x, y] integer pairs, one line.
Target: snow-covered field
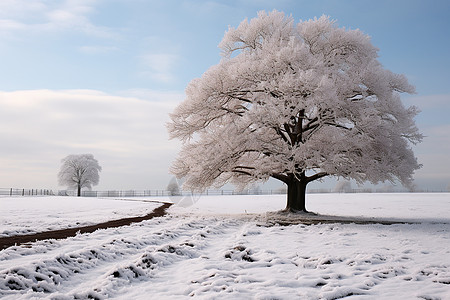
{"points": [[25, 215], [222, 247]]}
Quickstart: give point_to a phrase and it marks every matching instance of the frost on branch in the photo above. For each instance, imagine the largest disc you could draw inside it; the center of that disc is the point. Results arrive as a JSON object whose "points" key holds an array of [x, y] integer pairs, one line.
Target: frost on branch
{"points": [[296, 102], [79, 171]]}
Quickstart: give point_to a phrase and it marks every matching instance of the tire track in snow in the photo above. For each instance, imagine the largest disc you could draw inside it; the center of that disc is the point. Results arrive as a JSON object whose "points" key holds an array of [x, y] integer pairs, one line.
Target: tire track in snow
{"points": [[104, 266], [207, 257]]}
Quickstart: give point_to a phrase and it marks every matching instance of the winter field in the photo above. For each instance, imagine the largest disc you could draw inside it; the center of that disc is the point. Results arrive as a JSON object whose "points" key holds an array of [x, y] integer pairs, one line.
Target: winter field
{"points": [[230, 247], [25, 215]]}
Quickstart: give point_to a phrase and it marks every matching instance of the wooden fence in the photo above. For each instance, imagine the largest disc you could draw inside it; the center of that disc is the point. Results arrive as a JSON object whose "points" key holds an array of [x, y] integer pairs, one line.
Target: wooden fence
{"points": [[163, 193], [25, 192], [5, 192]]}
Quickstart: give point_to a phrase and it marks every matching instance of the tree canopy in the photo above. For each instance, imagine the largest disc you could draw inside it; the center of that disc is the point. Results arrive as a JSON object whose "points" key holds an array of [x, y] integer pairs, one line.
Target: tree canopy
{"points": [[295, 102], [79, 171]]}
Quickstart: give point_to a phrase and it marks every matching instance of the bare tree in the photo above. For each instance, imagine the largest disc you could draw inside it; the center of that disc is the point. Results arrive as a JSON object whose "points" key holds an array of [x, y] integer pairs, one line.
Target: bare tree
{"points": [[296, 102], [79, 171]]}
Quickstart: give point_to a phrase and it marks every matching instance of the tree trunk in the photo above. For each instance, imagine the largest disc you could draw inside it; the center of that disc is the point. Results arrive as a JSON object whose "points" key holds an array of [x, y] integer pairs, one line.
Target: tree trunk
{"points": [[79, 190], [296, 194]]}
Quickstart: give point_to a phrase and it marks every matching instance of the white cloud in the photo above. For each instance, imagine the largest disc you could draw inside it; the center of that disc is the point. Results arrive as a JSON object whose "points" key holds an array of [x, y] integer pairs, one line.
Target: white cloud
{"points": [[207, 7], [126, 134], [159, 66], [434, 151], [93, 50], [21, 9], [434, 154], [43, 16], [152, 95], [10, 25]]}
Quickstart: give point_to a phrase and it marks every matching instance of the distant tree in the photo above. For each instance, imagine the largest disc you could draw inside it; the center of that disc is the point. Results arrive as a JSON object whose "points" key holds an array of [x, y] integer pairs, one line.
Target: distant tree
{"points": [[386, 188], [173, 188], [256, 190], [296, 102], [342, 186], [79, 171]]}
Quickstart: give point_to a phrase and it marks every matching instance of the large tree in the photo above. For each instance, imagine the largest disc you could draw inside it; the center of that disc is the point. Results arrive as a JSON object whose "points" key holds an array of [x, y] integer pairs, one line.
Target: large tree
{"points": [[296, 102], [79, 171]]}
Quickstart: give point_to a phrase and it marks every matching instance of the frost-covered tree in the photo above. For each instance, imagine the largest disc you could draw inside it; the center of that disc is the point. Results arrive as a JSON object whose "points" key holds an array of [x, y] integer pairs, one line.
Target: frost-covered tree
{"points": [[79, 171], [342, 186], [173, 188], [296, 102]]}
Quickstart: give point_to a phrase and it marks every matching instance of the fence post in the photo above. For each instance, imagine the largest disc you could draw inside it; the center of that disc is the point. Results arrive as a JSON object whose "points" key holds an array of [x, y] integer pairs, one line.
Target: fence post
{"points": [[10, 192]]}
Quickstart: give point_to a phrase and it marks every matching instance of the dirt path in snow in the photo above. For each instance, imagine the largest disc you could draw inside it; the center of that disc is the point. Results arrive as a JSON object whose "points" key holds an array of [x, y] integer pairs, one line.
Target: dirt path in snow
{"points": [[9, 241]]}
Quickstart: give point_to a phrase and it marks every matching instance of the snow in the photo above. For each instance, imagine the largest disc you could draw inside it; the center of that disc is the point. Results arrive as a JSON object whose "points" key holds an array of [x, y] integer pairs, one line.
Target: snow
{"points": [[224, 247], [25, 215], [414, 207]]}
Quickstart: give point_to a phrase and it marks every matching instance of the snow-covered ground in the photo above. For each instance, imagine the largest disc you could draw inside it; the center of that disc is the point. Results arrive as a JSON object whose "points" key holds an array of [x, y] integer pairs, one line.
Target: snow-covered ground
{"points": [[221, 247], [25, 215], [415, 207]]}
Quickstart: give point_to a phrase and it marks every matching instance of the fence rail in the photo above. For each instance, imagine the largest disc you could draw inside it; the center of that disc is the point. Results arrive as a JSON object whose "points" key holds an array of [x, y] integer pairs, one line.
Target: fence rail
{"points": [[132, 193], [5, 192], [164, 193], [25, 192], [167, 193]]}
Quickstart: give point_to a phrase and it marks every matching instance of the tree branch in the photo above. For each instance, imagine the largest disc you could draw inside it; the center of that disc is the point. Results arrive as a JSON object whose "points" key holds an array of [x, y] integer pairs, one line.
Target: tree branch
{"points": [[310, 124], [244, 167], [240, 114], [281, 177], [280, 133], [316, 176], [336, 125], [239, 98], [289, 133], [242, 172]]}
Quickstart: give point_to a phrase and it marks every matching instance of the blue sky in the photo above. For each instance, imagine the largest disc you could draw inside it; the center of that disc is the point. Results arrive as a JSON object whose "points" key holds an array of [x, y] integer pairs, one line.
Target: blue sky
{"points": [[100, 77]]}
